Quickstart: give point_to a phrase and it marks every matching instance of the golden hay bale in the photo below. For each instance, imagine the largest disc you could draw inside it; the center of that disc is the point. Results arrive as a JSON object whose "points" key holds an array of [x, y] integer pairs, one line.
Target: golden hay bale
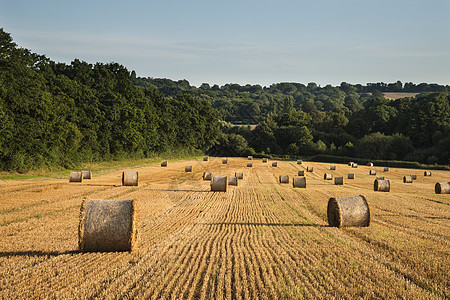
{"points": [[188, 168], [250, 157], [442, 188], [370, 164], [351, 176], [338, 180], [301, 173], [407, 179], [354, 165], [219, 183], [427, 173], [386, 169], [372, 172], [239, 175], [299, 162], [332, 167], [264, 159], [207, 176], [274, 164], [130, 178], [205, 158], [108, 225], [76, 177], [164, 163], [414, 176], [224, 161], [299, 182], [233, 180], [87, 174], [249, 164], [309, 169], [328, 176], [348, 211], [381, 185], [350, 163], [284, 178]]}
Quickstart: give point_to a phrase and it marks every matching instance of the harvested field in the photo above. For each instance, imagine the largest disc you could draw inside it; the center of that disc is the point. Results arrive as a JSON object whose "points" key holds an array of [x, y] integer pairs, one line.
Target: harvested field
{"points": [[259, 240]]}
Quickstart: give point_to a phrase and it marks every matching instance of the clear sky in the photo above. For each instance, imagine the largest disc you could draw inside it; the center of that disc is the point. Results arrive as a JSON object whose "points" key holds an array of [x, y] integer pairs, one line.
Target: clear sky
{"points": [[246, 41]]}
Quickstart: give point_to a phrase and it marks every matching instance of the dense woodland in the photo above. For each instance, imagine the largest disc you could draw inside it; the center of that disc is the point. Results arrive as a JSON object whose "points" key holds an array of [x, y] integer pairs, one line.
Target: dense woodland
{"points": [[57, 115]]}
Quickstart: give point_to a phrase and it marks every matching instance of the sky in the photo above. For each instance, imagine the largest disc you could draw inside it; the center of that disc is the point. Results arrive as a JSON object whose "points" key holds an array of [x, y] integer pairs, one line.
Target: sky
{"points": [[245, 42]]}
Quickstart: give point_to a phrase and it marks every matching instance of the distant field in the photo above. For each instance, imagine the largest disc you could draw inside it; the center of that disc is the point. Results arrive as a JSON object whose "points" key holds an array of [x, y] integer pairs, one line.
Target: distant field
{"points": [[259, 240], [394, 96]]}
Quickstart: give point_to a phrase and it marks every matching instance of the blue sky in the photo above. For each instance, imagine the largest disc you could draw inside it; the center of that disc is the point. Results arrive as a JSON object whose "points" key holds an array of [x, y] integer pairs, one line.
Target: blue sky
{"points": [[246, 41]]}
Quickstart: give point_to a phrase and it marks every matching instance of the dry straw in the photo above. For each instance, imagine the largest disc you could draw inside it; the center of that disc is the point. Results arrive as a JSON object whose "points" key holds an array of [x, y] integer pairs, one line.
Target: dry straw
{"points": [[380, 177], [249, 164], [87, 174], [250, 157], [108, 225], [164, 163], [381, 185], [309, 169], [351, 176], [224, 161], [332, 167], [427, 173], [76, 177], [442, 188], [205, 158], [188, 168], [264, 159], [299, 162], [407, 179], [207, 176], [386, 169], [328, 176], [372, 172], [301, 173], [219, 183], [284, 178], [239, 175], [274, 164], [130, 178], [233, 180], [348, 211], [338, 180], [299, 182]]}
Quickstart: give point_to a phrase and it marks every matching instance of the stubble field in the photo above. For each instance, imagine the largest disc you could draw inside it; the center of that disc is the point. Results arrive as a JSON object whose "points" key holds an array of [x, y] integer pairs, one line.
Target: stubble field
{"points": [[259, 240]]}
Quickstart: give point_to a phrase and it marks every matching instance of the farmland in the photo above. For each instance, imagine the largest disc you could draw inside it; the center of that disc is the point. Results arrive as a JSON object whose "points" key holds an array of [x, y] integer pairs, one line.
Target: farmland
{"points": [[260, 239]]}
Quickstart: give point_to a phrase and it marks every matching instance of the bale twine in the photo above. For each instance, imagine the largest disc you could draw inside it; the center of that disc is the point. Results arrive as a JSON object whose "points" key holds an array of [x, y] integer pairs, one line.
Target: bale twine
{"points": [[250, 157], [87, 174], [354, 165], [219, 184], [372, 172], [130, 178], [407, 179], [264, 159], [380, 177], [249, 164], [164, 163], [207, 176], [299, 182], [224, 161], [284, 179], [309, 169], [442, 188], [332, 167], [339, 180], [348, 211], [239, 175], [328, 176], [351, 176], [188, 168], [370, 164], [414, 176], [381, 185], [108, 225], [205, 158], [301, 173], [232, 180], [299, 162], [76, 177], [427, 173], [274, 164], [386, 169]]}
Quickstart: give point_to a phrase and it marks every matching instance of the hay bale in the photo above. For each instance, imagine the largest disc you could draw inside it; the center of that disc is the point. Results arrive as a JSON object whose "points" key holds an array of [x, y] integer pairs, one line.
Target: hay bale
{"points": [[350, 163], [381, 185], [219, 183], [301, 173], [249, 164], [328, 176], [299, 162], [224, 161], [264, 159], [76, 177], [188, 168], [386, 169], [348, 211], [380, 177], [414, 176], [205, 158], [339, 180], [354, 165], [299, 182], [130, 178], [207, 176], [232, 180], [332, 167], [442, 188], [87, 174], [351, 176], [274, 164], [164, 163], [372, 172], [108, 225], [309, 169], [370, 164], [250, 157], [407, 179], [239, 175], [427, 173], [284, 178]]}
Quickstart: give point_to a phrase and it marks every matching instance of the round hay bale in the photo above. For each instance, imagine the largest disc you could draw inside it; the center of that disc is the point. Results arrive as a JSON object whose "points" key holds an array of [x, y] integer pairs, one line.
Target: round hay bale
{"points": [[328, 176], [205, 158], [309, 169], [164, 163], [332, 167], [224, 161], [76, 177], [414, 176], [299, 162], [351, 176], [381, 185], [339, 180], [350, 163], [442, 188], [108, 225], [264, 159], [219, 183], [354, 165], [87, 174], [299, 182], [188, 168], [284, 178], [207, 176], [427, 173], [274, 164], [348, 211], [372, 172], [301, 173], [130, 178], [386, 169], [407, 179], [232, 180], [250, 157], [249, 164], [370, 164], [239, 175]]}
